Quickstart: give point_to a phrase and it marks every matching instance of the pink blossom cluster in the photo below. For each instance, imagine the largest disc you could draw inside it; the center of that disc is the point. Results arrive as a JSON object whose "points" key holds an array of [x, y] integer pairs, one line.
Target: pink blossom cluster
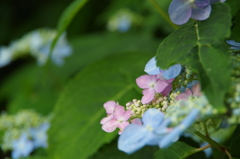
{"points": [[195, 92], [153, 84], [117, 117]]}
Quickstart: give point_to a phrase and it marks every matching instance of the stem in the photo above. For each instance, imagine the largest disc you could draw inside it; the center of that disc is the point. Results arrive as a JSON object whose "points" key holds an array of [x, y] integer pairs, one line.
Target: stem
{"points": [[205, 129], [163, 14], [228, 154]]}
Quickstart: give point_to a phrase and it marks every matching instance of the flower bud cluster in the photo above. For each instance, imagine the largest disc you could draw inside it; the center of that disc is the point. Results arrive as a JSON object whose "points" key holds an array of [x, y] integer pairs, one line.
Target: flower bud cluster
{"points": [[160, 102], [186, 76], [180, 109]]}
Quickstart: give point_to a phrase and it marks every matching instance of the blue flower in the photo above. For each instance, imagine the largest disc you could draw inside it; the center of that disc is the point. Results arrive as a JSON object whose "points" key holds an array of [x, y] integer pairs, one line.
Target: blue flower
{"points": [[22, 147], [234, 45], [181, 11], [42, 50], [151, 132], [152, 69], [178, 130], [39, 135]]}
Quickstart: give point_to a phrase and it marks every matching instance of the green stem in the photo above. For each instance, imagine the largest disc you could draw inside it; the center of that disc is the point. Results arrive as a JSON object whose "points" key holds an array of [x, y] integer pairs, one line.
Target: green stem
{"points": [[163, 14], [196, 150], [228, 154], [205, 129]]}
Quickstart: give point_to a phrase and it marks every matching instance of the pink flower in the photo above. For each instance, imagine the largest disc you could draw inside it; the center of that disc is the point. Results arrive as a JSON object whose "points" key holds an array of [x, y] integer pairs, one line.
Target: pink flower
{"points": [[109, 106], [195, 91], [117, 117], [153, 84]]}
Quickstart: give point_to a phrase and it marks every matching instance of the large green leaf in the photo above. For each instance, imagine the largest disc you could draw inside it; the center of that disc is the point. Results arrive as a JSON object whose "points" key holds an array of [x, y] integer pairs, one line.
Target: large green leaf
{"points": [[200, 45], [178, 150], [76, 131], [66, 18], [110, 151]]}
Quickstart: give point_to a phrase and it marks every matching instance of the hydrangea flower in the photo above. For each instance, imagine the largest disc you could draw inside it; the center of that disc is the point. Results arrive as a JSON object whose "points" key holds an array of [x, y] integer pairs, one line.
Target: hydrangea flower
{"points": [[151, 68], [234, 44], [195, 91], [42, 50], [39, 135], [178, 130], [5, 56], [22, 147], [118, 117], [181, 11], [151, 132], [153, 84]]}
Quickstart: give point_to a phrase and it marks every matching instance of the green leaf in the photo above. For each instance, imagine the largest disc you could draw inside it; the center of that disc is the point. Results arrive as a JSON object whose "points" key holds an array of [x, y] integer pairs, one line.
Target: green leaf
{"points": [[235, 30], [76, 131], [66, 18], [200, 45], [178, 150], [110, 151], [235, 147]]}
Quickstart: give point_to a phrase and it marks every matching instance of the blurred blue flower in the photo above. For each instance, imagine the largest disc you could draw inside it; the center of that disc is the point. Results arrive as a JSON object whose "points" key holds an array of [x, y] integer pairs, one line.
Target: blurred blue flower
{"points": [[39, 135], [181, 11], [152, 69], [150, 133], [22, 147], [5, 56], [61, 50], [234, 44], [124, 23], [178, 130]]}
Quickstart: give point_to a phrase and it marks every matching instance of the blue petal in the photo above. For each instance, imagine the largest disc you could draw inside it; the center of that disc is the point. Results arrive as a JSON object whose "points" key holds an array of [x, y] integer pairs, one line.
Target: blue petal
{"points": [[202, 3], [153, 118], [233, 43], [133, 138], [180, 11], [201, 13], [176, 132], [151, 67], [172, 71]]}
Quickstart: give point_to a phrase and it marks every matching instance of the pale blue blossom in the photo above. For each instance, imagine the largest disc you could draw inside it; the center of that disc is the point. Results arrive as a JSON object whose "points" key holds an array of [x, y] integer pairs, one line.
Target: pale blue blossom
{"points": [[22, 147], [42, 50], [152, 69], [39, 135], [179, 130], [151, 132], [5, 56], [234, 44]]}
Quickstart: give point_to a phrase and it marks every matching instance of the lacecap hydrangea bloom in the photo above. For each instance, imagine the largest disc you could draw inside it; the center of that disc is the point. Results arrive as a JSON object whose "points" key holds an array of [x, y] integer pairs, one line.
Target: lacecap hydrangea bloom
{"points": [[181, 11], [38, 44]]}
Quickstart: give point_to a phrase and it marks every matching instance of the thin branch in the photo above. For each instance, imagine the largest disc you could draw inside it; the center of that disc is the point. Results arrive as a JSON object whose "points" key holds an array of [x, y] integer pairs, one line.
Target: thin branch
{"points": [[163, 14]]}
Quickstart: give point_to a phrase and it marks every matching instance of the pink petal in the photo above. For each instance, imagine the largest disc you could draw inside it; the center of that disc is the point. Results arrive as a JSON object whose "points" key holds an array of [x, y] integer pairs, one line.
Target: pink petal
{"points": [[160, 86], [196, 89], [143, 81], [182, 96], [148, 95], [188, 92], [120, 114], [106, 119], [167, 90], [109, 106], [136, 121], [110, 126], [122, 126], [170, 80]]}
